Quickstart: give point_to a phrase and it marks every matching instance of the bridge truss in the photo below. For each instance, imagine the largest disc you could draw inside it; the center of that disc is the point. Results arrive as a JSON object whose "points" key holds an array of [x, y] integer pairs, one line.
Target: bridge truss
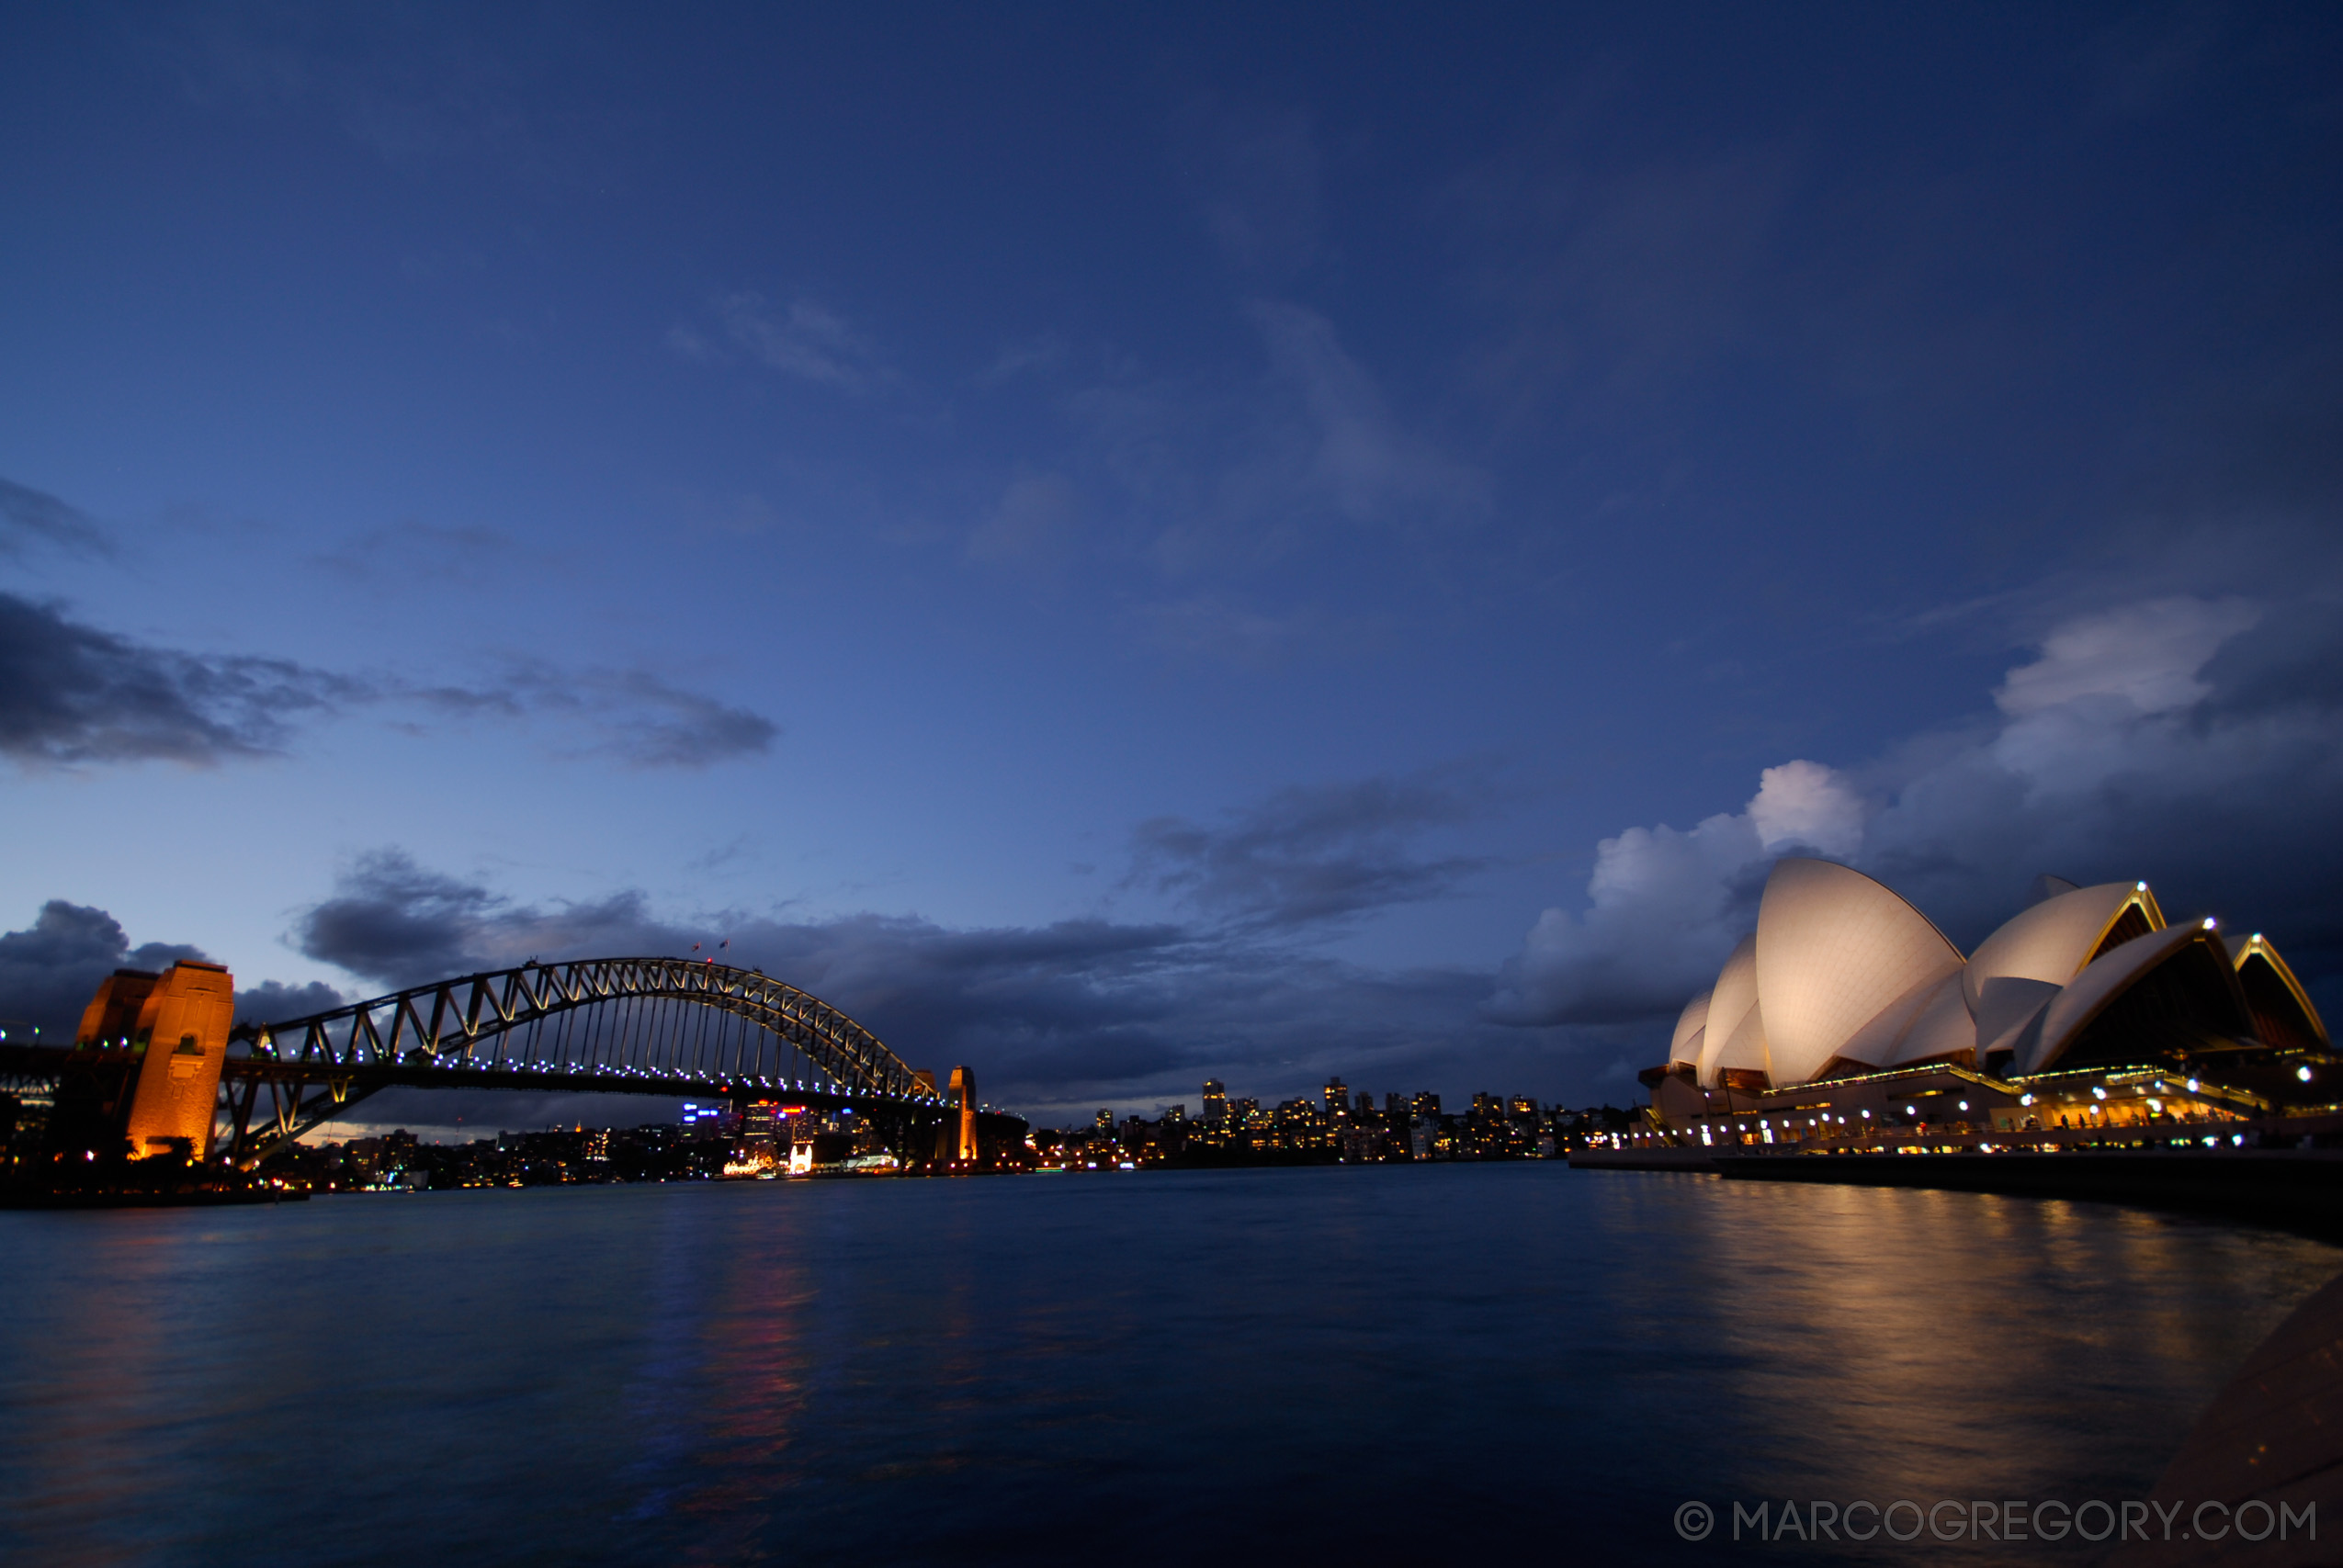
{"points": [[624, 1025]]}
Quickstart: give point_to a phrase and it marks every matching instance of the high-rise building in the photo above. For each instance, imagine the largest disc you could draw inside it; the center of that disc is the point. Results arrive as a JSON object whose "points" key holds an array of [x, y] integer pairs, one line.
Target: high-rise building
{"points": [[1425, 1104], [1105, 1123], [702, 1118], [1337, 1098], [1216, 1102]]}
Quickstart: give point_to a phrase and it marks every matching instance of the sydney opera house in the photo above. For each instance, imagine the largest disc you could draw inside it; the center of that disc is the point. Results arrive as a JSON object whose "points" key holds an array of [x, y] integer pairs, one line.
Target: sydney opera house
{"points": [[1847, 1015]]}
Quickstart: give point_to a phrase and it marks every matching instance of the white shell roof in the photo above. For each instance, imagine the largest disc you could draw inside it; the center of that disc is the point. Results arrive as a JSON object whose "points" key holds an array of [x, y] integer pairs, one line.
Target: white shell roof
{"points": [[1685, 1046], [1943, 1026], [1929, 1020], [2049, 942], [2009, 1005], [1748, 1045], [2256, 945], [1729, 1002], [1834, 949], [2108, 976]]}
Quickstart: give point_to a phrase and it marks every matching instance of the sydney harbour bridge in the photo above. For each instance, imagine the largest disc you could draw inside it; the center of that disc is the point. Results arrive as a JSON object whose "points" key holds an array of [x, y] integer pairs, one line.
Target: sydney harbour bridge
{"points": [[158, 1059]]}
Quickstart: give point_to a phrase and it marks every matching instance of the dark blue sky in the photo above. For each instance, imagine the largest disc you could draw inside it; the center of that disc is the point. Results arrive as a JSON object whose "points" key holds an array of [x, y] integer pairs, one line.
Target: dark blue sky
{"points": [[1123, 546]]}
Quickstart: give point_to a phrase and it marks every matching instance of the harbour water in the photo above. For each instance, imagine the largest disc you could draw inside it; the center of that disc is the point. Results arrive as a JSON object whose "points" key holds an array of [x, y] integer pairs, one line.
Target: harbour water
{"points": [[1370, 1365]]}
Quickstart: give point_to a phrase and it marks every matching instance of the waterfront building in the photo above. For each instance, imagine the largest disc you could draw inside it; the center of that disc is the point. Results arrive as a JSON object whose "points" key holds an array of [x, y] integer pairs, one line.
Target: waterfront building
{"points": [[1216, 1102], [1846, 1012]]}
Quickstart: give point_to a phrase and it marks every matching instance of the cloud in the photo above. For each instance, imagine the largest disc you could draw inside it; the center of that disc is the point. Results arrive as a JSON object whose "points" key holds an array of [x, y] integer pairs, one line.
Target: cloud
{"points": [[1619, 284], [1309, 856], [807, 341], [393, 922], [633, 715], [1354, 453], [685, 343], [2147, 61], [1057, 1017], [1666, 906], [1042, 352], [1254, 175], [421, 548], [2145, 656], [274, 1001], [1215, 627], [1036, 516], [71, 693], [50, 971], [414, 97], [1808, 804], [29, 515], [2195, 742], [1230, 478]]}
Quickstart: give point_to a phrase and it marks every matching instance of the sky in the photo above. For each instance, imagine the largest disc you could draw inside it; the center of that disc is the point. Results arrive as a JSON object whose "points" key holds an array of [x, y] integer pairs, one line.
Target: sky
{"points": [[1126, 544]]}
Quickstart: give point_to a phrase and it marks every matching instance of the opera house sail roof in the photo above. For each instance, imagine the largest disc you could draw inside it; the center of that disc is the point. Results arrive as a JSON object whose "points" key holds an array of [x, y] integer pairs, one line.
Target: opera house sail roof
{"points": [[1843, 977]]}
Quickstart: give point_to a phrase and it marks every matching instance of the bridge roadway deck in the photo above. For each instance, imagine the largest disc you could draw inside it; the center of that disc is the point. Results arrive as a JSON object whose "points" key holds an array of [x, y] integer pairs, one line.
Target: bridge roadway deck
{"points": [[30, 1065]]}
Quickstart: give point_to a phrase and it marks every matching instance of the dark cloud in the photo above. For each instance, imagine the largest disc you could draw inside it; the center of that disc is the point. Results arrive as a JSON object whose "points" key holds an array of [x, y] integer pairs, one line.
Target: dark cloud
{"points": [[49, 971], [1052, 1017], [651, 725], [630, 716], [71, 693], [273, 1000], [393, 922], [1309, 856], [28, 514]]}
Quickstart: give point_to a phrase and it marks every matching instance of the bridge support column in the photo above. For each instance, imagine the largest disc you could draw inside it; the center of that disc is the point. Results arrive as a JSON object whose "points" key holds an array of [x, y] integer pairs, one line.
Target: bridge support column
{"points": [[176, 1024], [964, 1086]]}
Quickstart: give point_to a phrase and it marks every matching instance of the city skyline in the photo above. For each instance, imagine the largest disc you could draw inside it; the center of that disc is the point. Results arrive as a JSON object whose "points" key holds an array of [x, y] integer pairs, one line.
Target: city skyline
{"points": [[1124, 549]]}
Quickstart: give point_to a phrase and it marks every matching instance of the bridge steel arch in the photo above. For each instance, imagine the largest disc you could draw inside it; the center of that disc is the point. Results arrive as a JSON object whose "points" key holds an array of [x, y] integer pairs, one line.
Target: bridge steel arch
{"points": [[624, 1025]]}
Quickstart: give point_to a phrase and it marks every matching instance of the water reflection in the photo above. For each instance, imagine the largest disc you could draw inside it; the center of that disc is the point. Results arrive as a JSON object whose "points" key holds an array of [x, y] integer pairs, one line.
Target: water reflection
{"points": [[1419, 1365]]}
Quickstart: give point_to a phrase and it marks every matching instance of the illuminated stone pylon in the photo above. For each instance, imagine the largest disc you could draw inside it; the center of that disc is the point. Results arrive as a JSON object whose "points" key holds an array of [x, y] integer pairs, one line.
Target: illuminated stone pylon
{"points": [[175, 1025], [964, 1086]]}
